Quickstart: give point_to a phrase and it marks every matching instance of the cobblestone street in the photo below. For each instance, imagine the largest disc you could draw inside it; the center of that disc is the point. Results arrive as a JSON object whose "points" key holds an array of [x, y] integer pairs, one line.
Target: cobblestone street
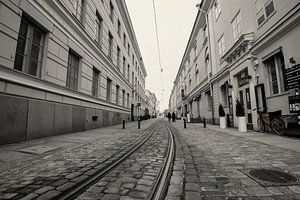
{"points": [[216, 161], [210, 163]]}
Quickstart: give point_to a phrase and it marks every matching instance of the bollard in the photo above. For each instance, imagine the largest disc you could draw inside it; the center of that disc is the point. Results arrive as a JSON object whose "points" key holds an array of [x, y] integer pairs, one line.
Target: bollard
{"points": [[184, 123], [123, 124], [204, 123], [139, 124]]}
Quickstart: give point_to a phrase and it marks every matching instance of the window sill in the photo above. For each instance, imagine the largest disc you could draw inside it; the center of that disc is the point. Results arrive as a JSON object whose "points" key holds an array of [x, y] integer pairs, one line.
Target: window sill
{"points": [[278, 95]]}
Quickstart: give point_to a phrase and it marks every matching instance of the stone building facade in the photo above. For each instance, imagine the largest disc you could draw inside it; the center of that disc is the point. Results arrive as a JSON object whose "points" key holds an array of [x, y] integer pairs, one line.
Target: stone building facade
{"points": [[243, 49], [67, 66]]}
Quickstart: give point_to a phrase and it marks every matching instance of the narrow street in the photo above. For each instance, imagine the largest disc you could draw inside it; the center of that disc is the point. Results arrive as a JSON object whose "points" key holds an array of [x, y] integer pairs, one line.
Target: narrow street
{"points": [[209, 163]]}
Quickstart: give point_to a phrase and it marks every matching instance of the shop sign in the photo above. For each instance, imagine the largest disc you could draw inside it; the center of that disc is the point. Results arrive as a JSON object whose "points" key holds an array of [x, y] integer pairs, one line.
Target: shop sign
{"points": [[294, 103], [292, 77]]}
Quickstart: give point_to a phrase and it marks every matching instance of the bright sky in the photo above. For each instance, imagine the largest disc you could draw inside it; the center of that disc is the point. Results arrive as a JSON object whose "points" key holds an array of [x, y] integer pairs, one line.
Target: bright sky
{"points": [[175, 20]]}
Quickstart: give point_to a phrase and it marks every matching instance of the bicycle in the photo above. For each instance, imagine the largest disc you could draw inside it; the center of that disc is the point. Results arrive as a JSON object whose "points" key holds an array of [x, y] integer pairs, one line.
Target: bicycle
{"points": [[273, 121]]}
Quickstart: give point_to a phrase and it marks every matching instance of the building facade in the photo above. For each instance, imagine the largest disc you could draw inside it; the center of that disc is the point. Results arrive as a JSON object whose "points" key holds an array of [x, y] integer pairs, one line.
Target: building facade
{"points": [[151, 104], [249, 52], [67, 66]]}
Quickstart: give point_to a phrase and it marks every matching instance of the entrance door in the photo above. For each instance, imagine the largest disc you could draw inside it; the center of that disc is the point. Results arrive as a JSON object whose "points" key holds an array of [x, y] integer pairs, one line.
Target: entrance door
{"points": [[245, 100]]}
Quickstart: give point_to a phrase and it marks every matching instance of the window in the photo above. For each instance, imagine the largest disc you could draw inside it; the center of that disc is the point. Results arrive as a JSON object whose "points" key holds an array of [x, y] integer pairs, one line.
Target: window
{"points": [[80, 10], [221, 46], [30, 46], [123, 98], [117, 94], [124, 64], [108, 89], [118, 57], [95, 84], [196, 74], [128, 100], [275, 66], [110, 44], [217, 8], [237, 27], [263, 8], [132, 78], [111, 11], [128, 71], [224, 92], [119, 28], [132, 59], [128, 48], [72, 73], [124, 40], [99, 27]]}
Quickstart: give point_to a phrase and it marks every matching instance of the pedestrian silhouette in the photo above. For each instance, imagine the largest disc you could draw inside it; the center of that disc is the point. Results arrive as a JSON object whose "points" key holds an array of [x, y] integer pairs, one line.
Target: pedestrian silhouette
{"points": [[173, 116], [169, 116]]}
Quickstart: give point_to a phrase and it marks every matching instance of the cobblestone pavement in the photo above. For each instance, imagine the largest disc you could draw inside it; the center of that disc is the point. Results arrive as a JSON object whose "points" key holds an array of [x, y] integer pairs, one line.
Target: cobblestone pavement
{"points": [[215, 163], [71, 158], [134, 178]]}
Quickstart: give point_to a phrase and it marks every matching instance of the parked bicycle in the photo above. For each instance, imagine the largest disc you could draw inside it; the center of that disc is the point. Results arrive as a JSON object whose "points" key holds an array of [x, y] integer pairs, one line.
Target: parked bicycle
{"points": [[272, 120]]}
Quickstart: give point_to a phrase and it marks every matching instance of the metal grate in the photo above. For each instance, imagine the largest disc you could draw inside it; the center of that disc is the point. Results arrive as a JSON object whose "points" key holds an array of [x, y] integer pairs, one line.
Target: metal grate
{"points": [[271, 177]]}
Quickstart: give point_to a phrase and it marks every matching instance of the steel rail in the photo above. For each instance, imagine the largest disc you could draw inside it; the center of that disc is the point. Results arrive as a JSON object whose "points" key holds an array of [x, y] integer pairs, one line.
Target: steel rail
{"points": [[81, 187], [160, 188]]}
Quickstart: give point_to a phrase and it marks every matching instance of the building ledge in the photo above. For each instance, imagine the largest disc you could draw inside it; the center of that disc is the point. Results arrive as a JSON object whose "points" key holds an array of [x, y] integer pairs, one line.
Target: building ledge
{"points": [[241, 44]]}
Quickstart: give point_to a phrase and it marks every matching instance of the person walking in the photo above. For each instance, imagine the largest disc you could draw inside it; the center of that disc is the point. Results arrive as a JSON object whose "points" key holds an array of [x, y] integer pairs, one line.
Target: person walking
{"points": [[173, 116], [169, 116]]}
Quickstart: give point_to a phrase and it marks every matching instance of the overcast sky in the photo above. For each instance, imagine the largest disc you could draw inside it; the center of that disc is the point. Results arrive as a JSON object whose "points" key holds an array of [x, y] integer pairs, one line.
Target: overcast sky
{"points": [[175, 20]]}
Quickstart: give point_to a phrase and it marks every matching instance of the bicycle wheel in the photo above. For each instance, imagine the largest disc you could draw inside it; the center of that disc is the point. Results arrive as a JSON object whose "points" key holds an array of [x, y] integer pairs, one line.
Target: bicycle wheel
{"points": [[261, 125], [278, 126]]}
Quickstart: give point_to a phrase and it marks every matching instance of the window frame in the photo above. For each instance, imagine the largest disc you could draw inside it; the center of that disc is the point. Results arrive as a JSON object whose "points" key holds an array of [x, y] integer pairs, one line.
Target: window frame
{"points": [[69, 73], [28, 45], [108, 89], [95, 83], [263, 10], [237, 28], [221, 49], [99, 28]]}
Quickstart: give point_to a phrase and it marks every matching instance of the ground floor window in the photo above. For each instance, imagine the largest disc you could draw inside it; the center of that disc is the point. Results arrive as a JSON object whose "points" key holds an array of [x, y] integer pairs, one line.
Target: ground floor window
{"points": [[30, 47], [275, 66]]}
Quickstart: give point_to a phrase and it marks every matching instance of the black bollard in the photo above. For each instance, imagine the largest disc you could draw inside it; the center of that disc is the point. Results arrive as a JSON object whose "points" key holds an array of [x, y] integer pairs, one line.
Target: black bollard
{"points": [[123, 124], [204, 122], [139, 124], [184, 123]]}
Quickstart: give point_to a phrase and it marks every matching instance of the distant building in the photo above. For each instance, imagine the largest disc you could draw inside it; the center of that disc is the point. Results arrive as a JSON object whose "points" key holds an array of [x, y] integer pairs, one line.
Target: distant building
{"points": [[152, 103], [67, 66], [239, 52]]}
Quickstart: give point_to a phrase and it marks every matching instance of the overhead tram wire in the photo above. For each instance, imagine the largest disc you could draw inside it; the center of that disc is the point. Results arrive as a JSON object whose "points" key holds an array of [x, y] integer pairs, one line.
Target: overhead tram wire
{"points": [[158, 47]]}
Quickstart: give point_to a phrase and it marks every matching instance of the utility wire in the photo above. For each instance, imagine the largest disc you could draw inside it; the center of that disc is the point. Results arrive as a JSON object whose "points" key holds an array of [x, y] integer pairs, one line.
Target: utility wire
{"points": [[158, 48]]}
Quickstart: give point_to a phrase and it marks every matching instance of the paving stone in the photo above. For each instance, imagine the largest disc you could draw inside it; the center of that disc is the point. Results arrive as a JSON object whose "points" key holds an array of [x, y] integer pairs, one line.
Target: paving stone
{"points": [[192, 196], [44, 190], [143, 188], [192, 187], [49, 195], [29, 196], [175, 190], [111, 197], [112, 190], [170, 197], [65, 186], [128, 185], [138, 194], [176, 180]]}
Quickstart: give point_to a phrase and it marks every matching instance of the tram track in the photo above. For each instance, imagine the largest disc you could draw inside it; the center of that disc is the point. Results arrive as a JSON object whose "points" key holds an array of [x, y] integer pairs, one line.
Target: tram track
{"points": [[161, 180]]}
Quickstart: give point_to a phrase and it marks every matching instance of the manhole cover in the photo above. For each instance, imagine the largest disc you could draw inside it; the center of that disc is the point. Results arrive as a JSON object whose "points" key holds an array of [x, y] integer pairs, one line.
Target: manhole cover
{"points": [[271, 177]]}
